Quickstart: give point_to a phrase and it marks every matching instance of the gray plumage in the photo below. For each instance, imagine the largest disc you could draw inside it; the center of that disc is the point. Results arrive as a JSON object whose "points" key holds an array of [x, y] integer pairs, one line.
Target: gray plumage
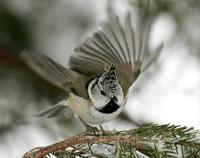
{"points": [[116, 44], [56, 110]]}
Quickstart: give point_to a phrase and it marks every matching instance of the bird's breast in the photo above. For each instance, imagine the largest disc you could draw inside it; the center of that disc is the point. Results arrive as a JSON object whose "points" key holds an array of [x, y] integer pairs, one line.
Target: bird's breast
{"points": [[79, 105], [98, 117], [87, 111]]}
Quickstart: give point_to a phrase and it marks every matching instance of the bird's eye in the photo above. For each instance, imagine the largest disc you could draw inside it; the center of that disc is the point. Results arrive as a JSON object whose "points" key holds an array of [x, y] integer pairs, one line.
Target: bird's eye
{"points": [[103, 93]]}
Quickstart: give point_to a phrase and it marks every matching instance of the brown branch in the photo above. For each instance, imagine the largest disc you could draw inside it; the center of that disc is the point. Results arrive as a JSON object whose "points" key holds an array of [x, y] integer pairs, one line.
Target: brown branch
{"points": [[83, 138]]}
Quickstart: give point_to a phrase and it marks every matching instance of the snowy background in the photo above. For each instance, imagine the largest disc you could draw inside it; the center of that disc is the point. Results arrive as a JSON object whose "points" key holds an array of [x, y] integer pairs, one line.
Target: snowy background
{"points": [[168, 92]]}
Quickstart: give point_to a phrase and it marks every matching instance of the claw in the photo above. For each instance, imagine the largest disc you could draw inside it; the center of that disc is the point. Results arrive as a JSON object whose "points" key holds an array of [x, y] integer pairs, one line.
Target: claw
{"points": [[92, 130]]}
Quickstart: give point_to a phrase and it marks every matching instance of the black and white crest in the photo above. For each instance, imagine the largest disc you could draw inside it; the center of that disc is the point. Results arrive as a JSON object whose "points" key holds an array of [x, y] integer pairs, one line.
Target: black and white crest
{"points": [[106, 92]]}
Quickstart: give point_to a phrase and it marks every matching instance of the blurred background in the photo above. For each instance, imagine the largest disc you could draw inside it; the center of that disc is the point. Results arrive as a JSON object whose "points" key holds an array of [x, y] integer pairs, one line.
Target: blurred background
{"points": [[168, 92]]}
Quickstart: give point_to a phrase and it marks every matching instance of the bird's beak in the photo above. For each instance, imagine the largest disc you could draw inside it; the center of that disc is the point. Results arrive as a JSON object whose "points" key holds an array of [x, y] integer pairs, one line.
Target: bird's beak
{"points": [[114, 99]]}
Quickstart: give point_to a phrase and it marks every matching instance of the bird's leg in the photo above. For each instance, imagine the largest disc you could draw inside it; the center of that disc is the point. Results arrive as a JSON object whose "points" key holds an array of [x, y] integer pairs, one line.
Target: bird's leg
{"points": [[101, 127], [89, 128]]}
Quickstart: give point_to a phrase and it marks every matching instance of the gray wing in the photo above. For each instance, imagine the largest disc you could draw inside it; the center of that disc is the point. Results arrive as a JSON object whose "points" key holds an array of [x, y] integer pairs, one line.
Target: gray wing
{"points": [[56, 110], [57, 75], [118, 44], [49, 70]]}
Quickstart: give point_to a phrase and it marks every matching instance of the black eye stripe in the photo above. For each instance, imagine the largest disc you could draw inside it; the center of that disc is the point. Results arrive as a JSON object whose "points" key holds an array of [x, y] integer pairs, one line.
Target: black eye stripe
{"points": [[95, 83], [103, 93]]}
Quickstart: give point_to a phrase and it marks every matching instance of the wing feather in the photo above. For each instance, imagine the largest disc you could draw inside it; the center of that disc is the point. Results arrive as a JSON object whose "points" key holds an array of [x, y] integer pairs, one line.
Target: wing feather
{"points": [[99, 47], [55, 111], [49, 70], [96, 51], [119, 44], [130, 38], [126, 38], [102, 37], [114, 29], [88, 52]]}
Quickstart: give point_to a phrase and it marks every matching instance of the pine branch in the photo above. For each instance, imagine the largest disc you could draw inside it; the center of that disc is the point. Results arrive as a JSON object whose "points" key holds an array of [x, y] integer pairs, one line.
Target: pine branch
{"points": [[150, 140]]}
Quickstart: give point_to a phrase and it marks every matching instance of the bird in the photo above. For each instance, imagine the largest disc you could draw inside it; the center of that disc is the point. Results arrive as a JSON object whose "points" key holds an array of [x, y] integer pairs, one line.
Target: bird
{"points": [[101, 71]]}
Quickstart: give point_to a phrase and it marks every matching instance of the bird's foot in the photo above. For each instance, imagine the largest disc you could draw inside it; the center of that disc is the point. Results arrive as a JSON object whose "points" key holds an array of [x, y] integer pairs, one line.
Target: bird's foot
{"points": [[92, 130], [102, 129]]}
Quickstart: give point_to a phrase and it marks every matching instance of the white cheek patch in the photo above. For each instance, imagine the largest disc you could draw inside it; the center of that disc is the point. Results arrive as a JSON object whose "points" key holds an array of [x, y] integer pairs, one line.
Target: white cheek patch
{"points": [[98, 100], [90, 87]]}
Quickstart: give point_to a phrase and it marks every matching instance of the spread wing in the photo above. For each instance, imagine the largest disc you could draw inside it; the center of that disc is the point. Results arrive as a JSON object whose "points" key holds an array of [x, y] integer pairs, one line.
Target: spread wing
{"points": [[61, 77], [49, 70], [59, 109], [118, 44]]}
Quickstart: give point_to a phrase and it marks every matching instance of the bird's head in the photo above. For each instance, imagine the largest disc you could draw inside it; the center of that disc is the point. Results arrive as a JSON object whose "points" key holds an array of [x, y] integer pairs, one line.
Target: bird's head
{"points": [[106, 89]]}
